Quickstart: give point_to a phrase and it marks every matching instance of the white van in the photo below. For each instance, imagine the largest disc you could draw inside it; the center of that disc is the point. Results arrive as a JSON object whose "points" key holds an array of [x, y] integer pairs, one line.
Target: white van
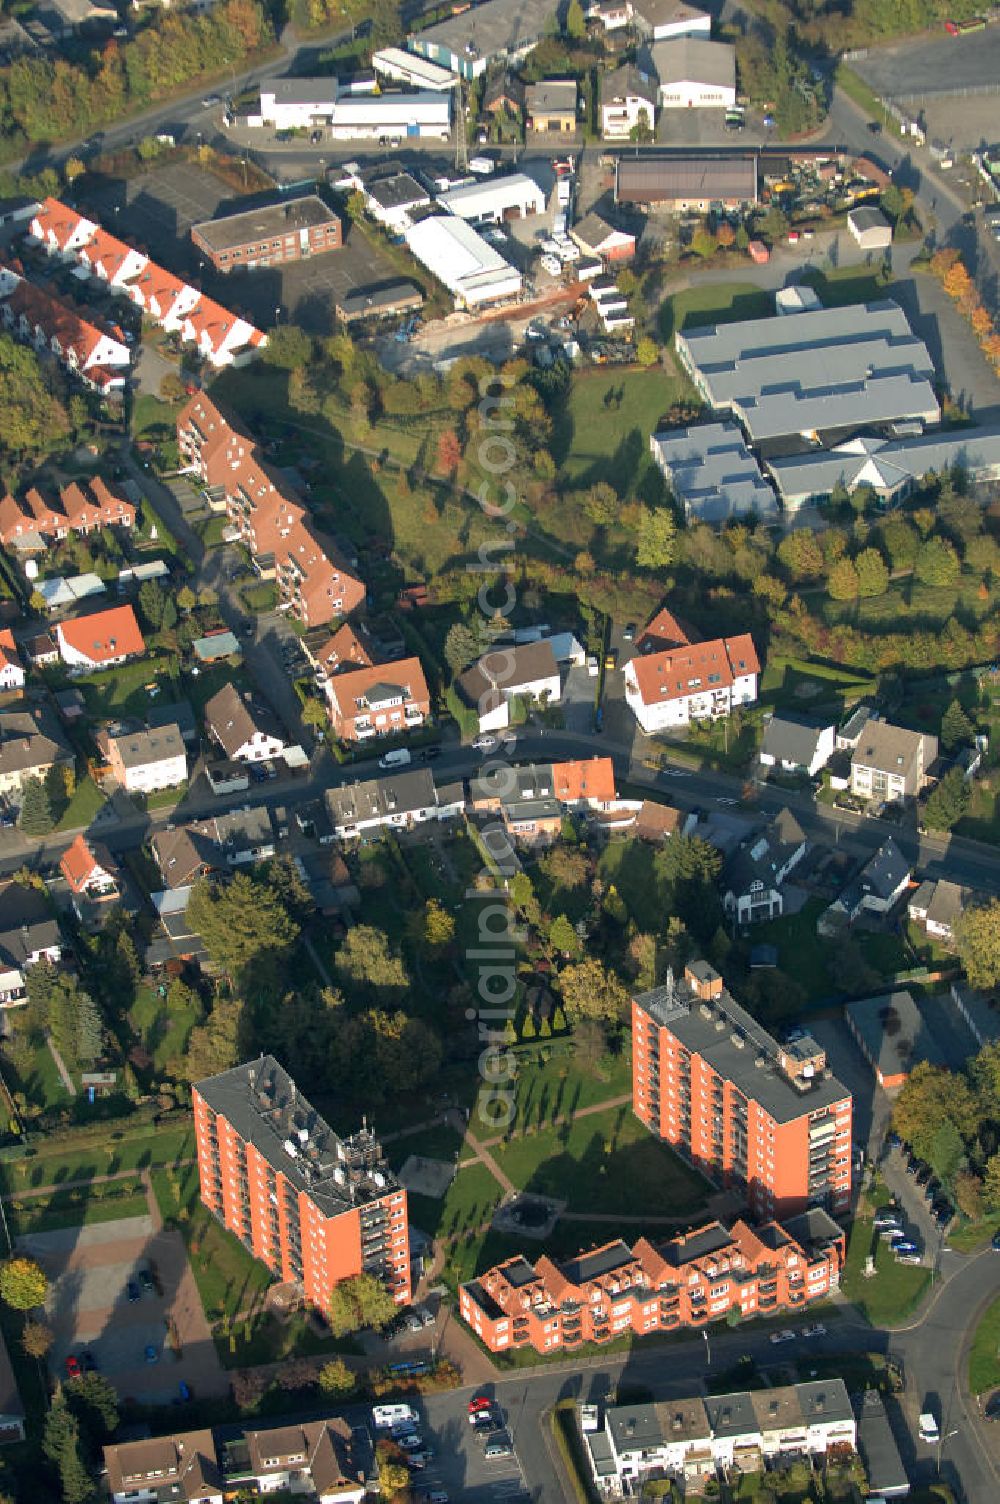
{"points": [[398, 759], [384, 1417]]}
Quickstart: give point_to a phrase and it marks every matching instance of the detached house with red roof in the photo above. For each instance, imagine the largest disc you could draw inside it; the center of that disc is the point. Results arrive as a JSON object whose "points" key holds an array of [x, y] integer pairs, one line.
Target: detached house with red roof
{"points": [[379, 700], [92, 875], [672, 686], [11, 667], [103, 640]]}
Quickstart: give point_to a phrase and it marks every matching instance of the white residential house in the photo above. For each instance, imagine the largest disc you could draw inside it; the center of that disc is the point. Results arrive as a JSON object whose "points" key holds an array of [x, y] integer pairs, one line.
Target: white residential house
{"points": [[890, 762], [243, 728], [628, 99], [148, 760], [11, 667], [528, 671], [697, 681], [793, 745], [756, 872]]}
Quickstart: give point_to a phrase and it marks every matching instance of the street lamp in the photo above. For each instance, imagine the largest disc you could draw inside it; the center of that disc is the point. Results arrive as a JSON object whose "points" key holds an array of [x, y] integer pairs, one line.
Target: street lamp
{"points": [[708, 1347], [946, 1437]]}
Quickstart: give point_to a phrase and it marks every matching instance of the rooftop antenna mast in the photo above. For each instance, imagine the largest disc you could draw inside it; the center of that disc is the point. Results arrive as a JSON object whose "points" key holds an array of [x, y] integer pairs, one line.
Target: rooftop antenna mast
{"points": [[461, 138]]}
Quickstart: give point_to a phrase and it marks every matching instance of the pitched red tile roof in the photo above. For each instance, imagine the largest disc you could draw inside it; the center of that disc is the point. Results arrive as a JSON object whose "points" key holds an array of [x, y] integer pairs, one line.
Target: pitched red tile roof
{"points": [[592, 778], [663, 631], [9, 656], [714, 665], [79, 860], [343, 650], [350, 687], [105, 635]]}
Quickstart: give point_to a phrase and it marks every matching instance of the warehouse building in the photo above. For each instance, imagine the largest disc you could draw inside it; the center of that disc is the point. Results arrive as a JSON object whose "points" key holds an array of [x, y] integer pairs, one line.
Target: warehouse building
{"points": [[497, 31], [289, 231], [819, 372], [712, 473], [473, 272], [515, 196], [407, 68], [695, 74], [687, 183], [391, 117], [891, 467]]}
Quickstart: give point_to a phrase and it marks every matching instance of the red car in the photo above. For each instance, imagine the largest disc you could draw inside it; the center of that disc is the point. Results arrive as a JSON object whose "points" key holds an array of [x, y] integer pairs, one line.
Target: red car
{"points": [[73, 1366], [479, 1403]]}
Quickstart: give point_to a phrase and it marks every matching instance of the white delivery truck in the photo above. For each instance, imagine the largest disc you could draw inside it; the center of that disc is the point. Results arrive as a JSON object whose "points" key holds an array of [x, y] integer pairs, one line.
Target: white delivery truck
{"points": [[399, 759], [386, 1417]]}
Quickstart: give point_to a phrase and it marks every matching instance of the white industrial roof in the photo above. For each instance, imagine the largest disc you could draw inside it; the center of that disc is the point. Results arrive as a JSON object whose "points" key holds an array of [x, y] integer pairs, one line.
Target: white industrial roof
{"points": [[493, 197], [397, 110], [712, 472], [462, 260], [397, 63]]}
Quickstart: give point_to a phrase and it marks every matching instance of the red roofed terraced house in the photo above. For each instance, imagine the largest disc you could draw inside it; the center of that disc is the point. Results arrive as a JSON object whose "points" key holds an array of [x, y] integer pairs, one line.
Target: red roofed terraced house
{"points": [[314, 1207], [711, 1082], [314, 585], [81, 508], [688, 681], [100, 357], [103, 640], [687, 1281]]}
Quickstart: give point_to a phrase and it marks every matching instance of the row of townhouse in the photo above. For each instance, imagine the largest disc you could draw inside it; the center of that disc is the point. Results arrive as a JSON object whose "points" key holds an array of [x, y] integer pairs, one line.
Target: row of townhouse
{"points": [[710, 1274], [314, 584], [36, 520], [320, 1459], [693, 1440], [99, 357], [220, 336]]}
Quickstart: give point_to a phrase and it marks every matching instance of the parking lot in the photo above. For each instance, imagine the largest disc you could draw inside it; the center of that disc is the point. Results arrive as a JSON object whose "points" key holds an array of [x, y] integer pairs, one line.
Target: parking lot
{"points": [[158, 209], [146, 1341], [458, 1467], [935, 64]]}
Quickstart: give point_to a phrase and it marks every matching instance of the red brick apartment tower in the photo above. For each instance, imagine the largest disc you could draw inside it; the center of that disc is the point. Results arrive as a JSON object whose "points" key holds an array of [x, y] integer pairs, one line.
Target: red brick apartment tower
{"points": [[711, 1082], [314, 1207]]}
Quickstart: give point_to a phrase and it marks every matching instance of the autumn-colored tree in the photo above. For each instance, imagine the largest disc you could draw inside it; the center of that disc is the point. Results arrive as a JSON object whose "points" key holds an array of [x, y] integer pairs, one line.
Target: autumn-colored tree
{"points": [[981, 322], [36, 1338], [956, 281], [725, 235], [23, 1284], [449, 452]]}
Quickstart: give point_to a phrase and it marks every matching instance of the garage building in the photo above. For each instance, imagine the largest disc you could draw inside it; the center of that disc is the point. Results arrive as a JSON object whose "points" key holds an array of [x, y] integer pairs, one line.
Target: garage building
{"points": [[513, 197], [473, 272], [870, 228], [687, 182], [375, 117], [290, 104], [379, 302], [695, 74], [596, 237]]}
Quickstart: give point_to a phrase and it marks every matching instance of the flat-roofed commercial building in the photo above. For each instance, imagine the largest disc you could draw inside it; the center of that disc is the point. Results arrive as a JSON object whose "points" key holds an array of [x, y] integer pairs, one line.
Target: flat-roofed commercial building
{"points": [[289, 231], [819, 372], [712, 473], [472, 271], [891, 467], [497, 31], [687, 182], [711, 1081], [407, 68], [314, 1207]]}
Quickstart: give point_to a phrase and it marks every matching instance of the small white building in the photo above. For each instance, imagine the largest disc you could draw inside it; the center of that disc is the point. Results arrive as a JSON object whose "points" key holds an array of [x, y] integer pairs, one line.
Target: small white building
{"points": [[11, 667], [695, 74], [628, 99], [515, 196], [407, 68], [289, 104], [660, 20], [870, 228], [527, 671], [473, 271], [795, 745]]}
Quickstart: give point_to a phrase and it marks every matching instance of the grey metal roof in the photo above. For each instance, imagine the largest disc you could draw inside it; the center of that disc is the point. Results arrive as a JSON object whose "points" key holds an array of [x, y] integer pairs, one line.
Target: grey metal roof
{"points": [[650, 180], [302, 90], [557, 95], [895, 1033], [397, 192], [712, 472], [736, 1046], [379, 798], [271, 219], [489, 30], [266, 1109], [792, 739], [385, 299], [681, 60], [888, 465], [731, 1414], [884, 1466], [825, 369], [592, 1265], [885, 871]]}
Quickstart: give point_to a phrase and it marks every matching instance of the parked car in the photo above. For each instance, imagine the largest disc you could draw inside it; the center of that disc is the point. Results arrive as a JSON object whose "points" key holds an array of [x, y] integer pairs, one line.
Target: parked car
{"points": [[991, 1410], [785, 1335], [151, 1353], [146, 1282], [816, 1330], [480, 1402], [87, 1361], [484, 742], [132, 1292], [73, 1366], [904, 1245], [908, 1258], [929, 1429], [995, 1244], [411, 1442]]}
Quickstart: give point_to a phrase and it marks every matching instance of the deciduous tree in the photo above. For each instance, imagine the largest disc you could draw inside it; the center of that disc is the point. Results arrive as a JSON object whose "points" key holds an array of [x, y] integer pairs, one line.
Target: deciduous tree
{"points": [[655, 538], [977, 939], [23, 1284], [589, 990], [367, 965], [359, 1302]]}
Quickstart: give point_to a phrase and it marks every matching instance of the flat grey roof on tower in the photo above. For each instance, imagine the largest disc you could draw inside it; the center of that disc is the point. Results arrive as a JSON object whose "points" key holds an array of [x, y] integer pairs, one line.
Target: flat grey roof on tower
{"points": [[822, 370], [712, 472], [739, 1049], [266, 1109]]}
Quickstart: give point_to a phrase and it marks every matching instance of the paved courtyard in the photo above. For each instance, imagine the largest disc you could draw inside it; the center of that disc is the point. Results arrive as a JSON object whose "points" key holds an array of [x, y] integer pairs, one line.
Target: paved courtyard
{"points": [[88, 1308], [157, 210]]}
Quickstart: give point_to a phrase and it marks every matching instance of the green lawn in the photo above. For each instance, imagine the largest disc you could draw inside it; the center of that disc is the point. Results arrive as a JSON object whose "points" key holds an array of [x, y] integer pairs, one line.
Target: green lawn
{"points": [[909, 601], [83, 807], [795, 684], [164, 1033], [150, 413], [121, 691], [855, 88], [549, 1082], [606, 1163], [439, 1142], [812, 960], [972, 1236], [708, 303], [229, 1279], [470, 1200], [630, 866], [266, 1339], [841, 285], [984, 1355], [895, 1292], [602, 431], [41, 1082], [76, 1208], [160, 1146]]}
